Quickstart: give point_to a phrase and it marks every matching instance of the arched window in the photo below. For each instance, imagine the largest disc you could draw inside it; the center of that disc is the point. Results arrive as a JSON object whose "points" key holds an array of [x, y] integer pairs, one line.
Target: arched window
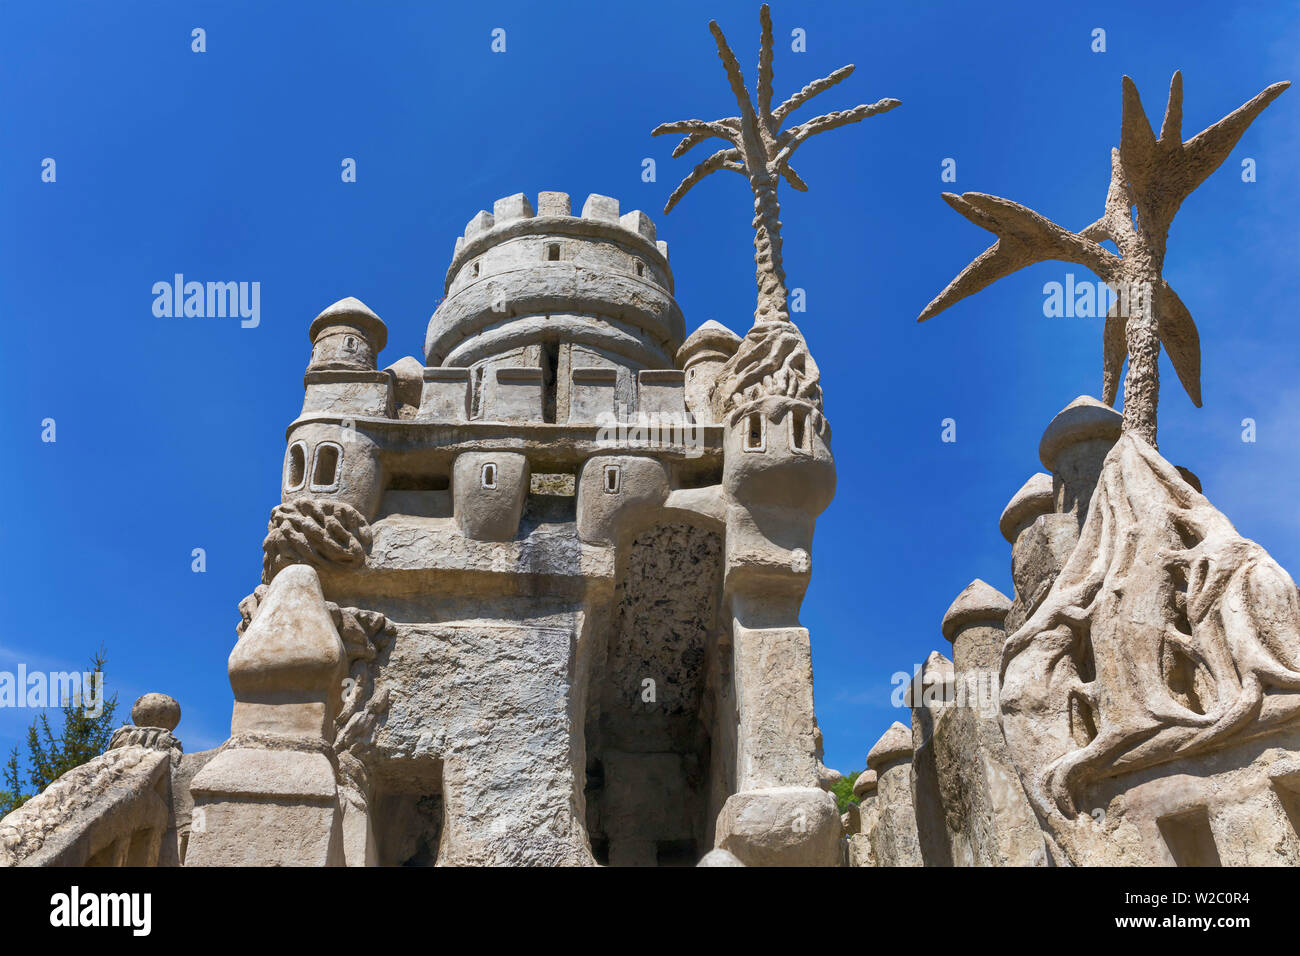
{"points": [[295, 468], [754, 432], [325, 468], [488, 479]]}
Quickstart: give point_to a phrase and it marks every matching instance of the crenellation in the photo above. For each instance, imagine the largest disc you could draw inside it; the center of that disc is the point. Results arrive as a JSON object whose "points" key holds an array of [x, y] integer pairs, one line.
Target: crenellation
{"points": [[600, 207], [513, 394], [661, 395], [638, 222], [510, 208], [481, 223], [553, 204], [345, 392]]}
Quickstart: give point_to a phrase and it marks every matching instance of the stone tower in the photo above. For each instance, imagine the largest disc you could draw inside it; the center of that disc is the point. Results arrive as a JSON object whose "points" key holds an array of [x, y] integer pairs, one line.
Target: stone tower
{"points": [[568, 604]]}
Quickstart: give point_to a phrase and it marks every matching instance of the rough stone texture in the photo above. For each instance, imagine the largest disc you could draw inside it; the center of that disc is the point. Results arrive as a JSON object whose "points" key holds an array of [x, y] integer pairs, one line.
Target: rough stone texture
{"points": [[1073, 447], [894, 837], [1035, 498], [970, 808], [270, 796], [781, 826], [1166, 635], [701, 359], [112, 811], [756, 150], [346, 336], [156, 710], [719, 857], [501, 623], [860, 850], [491, 704]]}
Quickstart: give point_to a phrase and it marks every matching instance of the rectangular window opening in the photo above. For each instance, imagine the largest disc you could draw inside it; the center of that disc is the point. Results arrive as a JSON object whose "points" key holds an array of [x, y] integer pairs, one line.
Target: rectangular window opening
{"points": [[1189, 838], [798, 431]]}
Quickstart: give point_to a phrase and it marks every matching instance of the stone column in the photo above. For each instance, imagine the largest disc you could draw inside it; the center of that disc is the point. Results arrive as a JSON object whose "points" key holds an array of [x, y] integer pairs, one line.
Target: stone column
{"points": [[938, 826], [1041, 541], [269, 798], [778, 475], [894, 838], [860, 849], [997, 823], [1073, 446], [973, 623]]}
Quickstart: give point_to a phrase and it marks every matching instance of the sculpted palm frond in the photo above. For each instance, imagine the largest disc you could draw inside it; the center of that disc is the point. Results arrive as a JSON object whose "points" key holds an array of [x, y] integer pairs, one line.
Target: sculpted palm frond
{"points": [[761, 152], [773, 360], [1150, 178]]}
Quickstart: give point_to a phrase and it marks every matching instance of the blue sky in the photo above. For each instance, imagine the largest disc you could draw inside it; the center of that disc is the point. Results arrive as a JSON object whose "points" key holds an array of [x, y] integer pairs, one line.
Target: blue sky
{"points": [[225, 165]]}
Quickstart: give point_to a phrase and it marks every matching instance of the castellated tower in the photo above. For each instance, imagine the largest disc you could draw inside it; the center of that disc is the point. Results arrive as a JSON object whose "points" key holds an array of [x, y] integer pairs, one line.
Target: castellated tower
{"points": [[557, 317], [568, 603], [532, 599]]}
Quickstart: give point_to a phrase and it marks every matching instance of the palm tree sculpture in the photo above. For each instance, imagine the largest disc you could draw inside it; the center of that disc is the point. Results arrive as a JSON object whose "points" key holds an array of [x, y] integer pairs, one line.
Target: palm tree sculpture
{"points": [[761, 152], [1150, 178]]}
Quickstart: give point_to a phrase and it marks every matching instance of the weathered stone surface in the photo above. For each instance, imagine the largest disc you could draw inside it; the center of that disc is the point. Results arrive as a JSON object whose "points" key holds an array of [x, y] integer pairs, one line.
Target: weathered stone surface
{"points": [[269, 797], [111, 811], [781, 826], [864, 784], [1034, 498], [1150, 178], [482, 714], [1167, 635], [979, 603]]}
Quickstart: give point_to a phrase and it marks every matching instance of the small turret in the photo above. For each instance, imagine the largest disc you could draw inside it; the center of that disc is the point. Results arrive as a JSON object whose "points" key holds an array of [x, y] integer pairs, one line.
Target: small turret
{"points": [[346, 336], [700, 358]]}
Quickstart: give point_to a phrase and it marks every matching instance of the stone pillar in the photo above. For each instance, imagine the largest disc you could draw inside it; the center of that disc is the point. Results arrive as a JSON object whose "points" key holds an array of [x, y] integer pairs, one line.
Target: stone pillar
{"points": [[153, 718], [779, 817], [987, 801], [269, 797], [973, 623], [1041, 542], [1073, 447], [894, 838], [860, 849], [931, 697], [778, 475]]}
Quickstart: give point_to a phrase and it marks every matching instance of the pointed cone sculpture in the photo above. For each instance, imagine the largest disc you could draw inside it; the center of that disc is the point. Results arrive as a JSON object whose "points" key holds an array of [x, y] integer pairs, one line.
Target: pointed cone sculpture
{"points": [[269, 797]]}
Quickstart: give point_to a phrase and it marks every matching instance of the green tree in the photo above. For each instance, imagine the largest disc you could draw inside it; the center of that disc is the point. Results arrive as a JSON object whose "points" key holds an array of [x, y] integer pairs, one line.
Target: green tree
{"points": [[12, 796], [84, 737], [842, 791]]}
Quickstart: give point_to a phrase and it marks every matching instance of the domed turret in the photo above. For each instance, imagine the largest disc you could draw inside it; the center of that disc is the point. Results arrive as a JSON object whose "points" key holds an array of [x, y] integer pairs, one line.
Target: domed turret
{"points": [[700, 358], [347, 335]]}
